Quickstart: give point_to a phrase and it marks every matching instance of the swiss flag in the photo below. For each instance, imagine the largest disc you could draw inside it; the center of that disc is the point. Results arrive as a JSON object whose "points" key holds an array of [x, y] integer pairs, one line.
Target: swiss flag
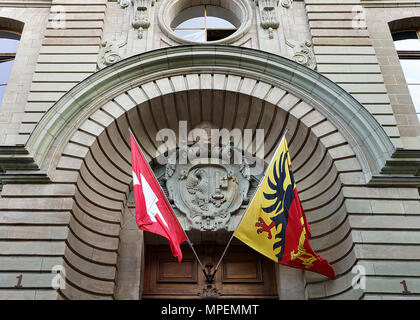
{"points": [[153, 211]]}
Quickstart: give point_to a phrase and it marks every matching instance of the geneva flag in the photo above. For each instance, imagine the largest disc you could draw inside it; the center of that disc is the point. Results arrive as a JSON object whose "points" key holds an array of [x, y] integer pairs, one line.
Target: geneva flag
{"points": [[153, 211], [275, 224]]}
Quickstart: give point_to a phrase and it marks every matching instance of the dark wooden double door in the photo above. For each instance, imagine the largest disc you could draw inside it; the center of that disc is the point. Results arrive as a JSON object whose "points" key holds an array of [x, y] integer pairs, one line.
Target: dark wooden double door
{"points": [[243, 274]]}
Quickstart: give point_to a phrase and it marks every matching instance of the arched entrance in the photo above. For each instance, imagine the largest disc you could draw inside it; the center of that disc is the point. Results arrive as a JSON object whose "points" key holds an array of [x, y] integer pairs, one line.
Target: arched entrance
{"points": [[84, 139]]}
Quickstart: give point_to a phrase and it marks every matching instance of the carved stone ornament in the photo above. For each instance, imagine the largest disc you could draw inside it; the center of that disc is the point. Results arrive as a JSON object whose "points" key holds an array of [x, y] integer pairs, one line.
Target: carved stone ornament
{"points": [[286, 3], [302, 53], [124, 3], [140, 15], [209, 293], [108, 54], [205, 192], [269, 18]]}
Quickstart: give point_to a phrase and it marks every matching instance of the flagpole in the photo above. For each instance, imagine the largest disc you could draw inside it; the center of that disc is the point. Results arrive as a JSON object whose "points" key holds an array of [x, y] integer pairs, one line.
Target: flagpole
{"points": [[188, 239], [259, 184]]}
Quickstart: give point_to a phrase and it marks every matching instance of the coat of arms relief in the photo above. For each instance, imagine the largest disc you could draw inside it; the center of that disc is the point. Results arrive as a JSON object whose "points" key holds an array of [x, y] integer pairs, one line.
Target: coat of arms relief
{"points": [[206, 193]]}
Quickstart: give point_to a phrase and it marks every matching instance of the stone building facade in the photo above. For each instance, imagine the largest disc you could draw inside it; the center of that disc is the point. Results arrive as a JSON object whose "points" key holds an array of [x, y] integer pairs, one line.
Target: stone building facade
{"points": [[86, 71]]}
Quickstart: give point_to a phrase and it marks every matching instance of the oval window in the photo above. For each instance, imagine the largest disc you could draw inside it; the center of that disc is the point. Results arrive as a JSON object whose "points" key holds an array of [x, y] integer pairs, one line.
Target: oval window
{"points": [[205, 23]]}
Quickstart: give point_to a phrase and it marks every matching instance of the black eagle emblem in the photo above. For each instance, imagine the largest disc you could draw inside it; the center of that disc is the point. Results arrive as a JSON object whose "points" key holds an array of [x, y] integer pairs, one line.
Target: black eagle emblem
{"points": [[282, 198]]}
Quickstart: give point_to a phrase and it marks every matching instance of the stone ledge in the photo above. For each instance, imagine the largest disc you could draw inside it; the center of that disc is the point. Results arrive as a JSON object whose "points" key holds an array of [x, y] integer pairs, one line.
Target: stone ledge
{"points": [[24, 177], [17, 166], [16, 158], [402, 169], [403, 161]]}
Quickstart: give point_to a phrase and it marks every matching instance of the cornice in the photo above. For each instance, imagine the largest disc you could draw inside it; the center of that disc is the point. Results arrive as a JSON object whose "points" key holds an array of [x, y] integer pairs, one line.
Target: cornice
{"points": [[18, 166]]}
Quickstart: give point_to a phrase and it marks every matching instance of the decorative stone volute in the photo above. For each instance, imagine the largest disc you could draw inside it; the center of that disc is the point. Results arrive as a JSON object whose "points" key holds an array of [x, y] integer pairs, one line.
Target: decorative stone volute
{"points": [[301, 52], [286, 3], [108, 54]]}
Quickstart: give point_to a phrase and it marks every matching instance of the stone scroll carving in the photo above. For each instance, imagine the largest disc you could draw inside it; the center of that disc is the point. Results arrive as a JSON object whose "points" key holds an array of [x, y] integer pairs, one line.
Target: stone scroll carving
{"points": [[138, 18], [108, 54], [286, 3], [205, 193], [301, 52]]}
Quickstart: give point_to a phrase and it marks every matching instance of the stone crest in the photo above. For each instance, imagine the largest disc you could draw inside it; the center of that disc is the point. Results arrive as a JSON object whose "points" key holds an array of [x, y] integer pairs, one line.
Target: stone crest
{"points": [[207, 193]]}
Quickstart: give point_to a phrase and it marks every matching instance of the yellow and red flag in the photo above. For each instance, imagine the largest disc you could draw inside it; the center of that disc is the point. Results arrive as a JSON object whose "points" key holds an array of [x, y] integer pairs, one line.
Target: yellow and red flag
{"points": [[275, 224]]}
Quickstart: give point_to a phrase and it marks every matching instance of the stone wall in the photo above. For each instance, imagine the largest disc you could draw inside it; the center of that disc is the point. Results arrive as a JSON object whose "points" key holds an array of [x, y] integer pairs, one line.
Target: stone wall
{"points": [[68, 54], [77, 219]]}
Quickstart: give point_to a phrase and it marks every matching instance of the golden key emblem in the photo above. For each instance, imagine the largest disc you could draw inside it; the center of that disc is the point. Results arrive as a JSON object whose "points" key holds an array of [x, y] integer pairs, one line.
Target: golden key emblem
{"points": [[307, 261]]}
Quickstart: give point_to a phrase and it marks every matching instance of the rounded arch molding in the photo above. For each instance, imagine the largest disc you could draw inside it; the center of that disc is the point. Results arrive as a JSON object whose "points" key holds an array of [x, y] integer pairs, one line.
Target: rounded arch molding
{"points": [[327, 125], [360, 129]]}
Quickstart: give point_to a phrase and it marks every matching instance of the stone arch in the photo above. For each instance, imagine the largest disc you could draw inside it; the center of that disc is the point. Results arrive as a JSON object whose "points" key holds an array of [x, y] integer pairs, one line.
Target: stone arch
{"points": [[360, 128], [404, 23], [11, 24], [83, 139]]}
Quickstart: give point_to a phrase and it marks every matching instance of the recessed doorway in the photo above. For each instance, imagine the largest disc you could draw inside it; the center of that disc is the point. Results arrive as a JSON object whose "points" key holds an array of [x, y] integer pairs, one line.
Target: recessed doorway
{"points": [[243, 274]]}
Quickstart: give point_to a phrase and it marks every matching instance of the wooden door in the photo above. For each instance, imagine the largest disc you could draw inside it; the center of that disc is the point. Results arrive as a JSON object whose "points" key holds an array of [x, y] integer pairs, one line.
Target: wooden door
{"points": [[243, 274]]}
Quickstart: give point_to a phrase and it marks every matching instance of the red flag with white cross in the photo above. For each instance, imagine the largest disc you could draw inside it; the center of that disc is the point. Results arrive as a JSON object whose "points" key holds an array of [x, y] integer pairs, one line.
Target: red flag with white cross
{"points": [[153, 211]]}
